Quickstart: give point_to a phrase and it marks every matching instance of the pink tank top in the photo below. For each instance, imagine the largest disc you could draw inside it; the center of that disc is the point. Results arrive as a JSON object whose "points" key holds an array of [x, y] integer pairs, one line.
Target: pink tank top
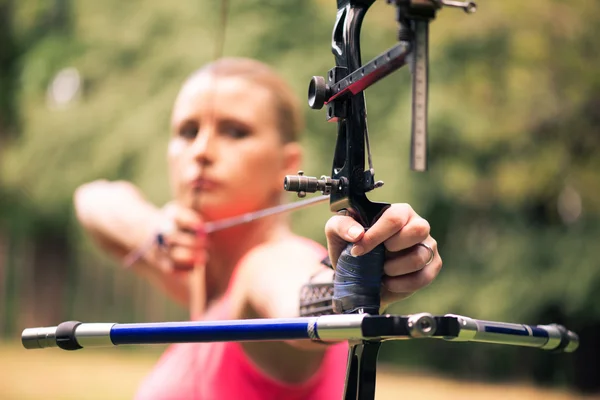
{"points": [[223, 371]]}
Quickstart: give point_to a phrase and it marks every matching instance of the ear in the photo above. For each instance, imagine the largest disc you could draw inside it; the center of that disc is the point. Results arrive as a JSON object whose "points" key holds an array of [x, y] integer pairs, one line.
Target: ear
{"points": [[292, 159]]}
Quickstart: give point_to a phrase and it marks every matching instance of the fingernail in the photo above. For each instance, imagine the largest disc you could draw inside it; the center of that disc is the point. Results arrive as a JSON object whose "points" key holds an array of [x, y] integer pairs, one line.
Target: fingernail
{"points": [[355, 231], [357, 250]]}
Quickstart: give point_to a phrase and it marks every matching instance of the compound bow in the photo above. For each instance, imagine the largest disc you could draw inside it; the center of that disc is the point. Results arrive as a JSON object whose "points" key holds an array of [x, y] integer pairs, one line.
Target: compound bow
{"points": [[357, 282]]}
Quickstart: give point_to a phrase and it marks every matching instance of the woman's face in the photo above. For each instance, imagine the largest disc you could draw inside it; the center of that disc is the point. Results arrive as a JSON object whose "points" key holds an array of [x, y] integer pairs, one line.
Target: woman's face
{"points": [[225, 154]]}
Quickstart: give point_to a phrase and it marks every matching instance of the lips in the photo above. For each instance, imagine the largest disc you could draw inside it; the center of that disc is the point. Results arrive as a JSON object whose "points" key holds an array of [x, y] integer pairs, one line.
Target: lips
{"points": [[204, 184]]}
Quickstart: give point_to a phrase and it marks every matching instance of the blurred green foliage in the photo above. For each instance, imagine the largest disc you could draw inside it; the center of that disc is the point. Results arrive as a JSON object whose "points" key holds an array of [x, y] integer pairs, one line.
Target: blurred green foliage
{"points": [[512, 192]]}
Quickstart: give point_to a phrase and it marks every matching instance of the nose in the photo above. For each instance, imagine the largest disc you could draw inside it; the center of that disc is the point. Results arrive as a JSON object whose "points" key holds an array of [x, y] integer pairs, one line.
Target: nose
{"points": [[203, 148]]}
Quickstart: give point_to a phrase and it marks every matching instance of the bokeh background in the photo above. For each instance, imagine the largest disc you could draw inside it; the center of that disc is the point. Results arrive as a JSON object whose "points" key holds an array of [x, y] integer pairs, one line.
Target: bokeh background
{"points": [[512, 191]]}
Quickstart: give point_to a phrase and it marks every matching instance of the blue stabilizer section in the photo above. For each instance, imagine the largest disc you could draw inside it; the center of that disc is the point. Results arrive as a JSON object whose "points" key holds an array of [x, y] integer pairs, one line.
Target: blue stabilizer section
{"points": [[514, 329], [211, 331]]}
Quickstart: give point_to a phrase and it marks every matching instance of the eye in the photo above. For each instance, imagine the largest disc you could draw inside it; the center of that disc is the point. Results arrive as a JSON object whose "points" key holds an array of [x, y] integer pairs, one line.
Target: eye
{"points": [[189, 130], [234, 130]]}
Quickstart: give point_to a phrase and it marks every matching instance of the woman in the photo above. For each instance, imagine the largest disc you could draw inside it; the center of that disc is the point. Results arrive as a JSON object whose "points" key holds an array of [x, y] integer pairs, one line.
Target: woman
{"points": [[235, 129]]}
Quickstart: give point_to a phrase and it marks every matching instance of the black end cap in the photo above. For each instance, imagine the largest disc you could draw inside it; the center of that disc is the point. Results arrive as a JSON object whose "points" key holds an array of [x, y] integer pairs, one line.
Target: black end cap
{"points": [[65, 335], [564, 339]]}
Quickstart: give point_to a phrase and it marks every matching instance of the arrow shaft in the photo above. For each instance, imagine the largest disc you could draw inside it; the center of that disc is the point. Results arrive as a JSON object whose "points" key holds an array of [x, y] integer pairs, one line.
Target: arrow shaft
{"points": [[215, 226]]}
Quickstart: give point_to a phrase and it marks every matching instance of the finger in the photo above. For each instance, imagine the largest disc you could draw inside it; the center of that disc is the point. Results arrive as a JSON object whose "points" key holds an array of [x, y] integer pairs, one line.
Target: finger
{"points": [[182, 257], [341, 230], [411, 260], [415, 231], [187, 219], [392, 221], [406, 284], [189, 262], [183, 239]]}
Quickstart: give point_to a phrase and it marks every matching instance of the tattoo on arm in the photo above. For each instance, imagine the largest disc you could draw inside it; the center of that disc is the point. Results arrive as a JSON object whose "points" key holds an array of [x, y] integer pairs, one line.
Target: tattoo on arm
{"points": [[316, 298]]}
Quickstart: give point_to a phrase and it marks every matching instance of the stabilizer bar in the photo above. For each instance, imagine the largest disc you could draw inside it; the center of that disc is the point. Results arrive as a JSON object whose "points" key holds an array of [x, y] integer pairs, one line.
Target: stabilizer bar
{"points": [[74, 335]]}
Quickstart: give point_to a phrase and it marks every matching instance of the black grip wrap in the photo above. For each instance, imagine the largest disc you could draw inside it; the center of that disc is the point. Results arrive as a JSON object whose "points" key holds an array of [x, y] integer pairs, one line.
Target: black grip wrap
{"points": [[357, 282], [65, 335]]}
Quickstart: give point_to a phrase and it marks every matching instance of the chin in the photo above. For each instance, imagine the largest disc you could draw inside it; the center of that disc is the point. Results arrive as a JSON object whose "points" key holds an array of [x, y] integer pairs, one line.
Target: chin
{"points": [[214, 208], [215, 205], [223, 209]]}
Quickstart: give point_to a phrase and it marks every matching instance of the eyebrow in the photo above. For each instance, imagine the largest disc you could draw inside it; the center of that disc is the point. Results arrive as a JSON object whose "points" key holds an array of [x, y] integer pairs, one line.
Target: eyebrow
{"points": [[234, 121], [176, 125]]}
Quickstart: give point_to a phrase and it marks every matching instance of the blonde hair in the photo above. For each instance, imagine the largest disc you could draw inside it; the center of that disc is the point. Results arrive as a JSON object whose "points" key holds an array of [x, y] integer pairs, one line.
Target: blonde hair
{"points": [[289, 117]]}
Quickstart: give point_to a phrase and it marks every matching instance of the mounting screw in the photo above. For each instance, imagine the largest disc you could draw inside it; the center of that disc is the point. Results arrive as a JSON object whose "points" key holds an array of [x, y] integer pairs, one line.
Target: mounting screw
{"points": [[421, 325]]}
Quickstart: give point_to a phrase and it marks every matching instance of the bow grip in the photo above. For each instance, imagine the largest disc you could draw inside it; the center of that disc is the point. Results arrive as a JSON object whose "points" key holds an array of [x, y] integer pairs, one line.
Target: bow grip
{"points": [[357, 282]]}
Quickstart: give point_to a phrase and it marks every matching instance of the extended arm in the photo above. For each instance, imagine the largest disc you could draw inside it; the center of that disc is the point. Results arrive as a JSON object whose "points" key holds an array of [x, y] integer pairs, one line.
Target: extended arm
{"points": [[271, 279], [268, 286], [120, 220]]}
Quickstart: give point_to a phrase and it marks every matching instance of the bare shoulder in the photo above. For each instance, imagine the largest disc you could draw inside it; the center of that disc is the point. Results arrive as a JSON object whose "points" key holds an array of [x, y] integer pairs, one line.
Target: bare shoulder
{"points": [[270, 277], [285, 253]]}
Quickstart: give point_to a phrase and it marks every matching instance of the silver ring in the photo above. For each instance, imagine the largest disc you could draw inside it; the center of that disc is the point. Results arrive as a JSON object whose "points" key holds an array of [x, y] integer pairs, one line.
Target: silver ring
{"points": [[431, 253]]}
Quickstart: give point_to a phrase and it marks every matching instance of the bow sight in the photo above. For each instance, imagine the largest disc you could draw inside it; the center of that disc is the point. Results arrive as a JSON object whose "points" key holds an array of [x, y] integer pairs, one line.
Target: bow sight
{"points": [[357, 282], [349, 77]]}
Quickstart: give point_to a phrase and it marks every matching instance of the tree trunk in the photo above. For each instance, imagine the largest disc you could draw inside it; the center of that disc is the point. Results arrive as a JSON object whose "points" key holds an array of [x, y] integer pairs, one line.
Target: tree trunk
{"points": [[586, 360], [4, 300], [46, 281], [8, 118], [8, 74]]}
